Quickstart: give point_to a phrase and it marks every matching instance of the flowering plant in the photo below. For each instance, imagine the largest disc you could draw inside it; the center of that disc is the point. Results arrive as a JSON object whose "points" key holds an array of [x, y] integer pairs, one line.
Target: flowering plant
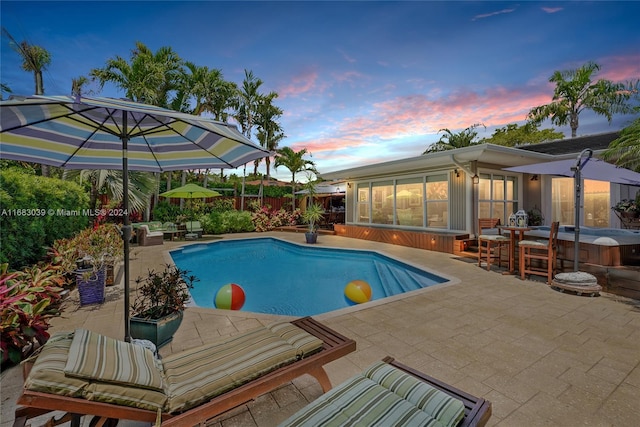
{"points": [[266, 219]]}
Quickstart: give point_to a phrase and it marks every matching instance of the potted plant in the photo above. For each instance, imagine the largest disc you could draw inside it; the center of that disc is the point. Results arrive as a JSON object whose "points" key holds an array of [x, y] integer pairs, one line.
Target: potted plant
{"points": [[312, 215], [157, 309], [627, 208], [535, 217], [89, 260]]}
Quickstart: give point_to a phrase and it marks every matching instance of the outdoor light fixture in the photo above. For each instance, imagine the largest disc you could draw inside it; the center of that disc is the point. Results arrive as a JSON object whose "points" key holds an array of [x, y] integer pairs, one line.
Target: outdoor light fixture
{"points": [[457, 172], [533, 178], [476, 179], [349, 184]]}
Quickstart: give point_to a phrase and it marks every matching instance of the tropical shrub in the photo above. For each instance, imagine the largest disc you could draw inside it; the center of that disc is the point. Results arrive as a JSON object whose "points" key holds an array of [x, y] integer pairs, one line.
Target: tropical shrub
{"points": [[266, 219], [28, 299], [35, 211], [227, 222], [165, 212]]}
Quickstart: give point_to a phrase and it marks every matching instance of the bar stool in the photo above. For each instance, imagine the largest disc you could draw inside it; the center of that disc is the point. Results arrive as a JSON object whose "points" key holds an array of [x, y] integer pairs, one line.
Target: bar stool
{"points": [[543, 251], [490, 245]]}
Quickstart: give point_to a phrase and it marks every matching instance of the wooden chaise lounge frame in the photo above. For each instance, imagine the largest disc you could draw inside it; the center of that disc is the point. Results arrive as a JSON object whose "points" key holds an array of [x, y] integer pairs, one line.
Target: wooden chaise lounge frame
{"points": [[33, 404], [477, 410]]}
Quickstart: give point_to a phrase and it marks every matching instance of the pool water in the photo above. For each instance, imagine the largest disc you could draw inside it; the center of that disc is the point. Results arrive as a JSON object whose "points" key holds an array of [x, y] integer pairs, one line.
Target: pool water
{"points": [[279, 277]]}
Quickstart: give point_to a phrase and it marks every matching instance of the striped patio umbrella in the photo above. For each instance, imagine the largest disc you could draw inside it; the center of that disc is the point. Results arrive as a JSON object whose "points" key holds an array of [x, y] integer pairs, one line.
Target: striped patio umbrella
{"points": [[107, 133]]}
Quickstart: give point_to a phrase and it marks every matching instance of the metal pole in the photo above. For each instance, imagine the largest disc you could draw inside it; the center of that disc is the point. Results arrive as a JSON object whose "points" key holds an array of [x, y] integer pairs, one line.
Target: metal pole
{"points": [[577, 181], [126, 228]]}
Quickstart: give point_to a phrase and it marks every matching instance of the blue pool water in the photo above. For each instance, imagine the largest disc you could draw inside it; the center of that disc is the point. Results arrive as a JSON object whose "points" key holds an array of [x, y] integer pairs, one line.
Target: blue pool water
{"points": [[279, 277]]}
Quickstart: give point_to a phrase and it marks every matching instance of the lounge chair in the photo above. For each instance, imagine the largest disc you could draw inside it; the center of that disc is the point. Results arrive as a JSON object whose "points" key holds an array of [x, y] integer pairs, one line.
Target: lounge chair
{"points": [[183, 389], [391, 394], [194, 227]]}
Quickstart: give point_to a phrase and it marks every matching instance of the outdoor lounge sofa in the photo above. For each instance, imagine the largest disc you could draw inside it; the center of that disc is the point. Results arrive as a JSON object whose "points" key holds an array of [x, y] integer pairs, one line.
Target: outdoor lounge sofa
{"points": [[183, 389], [391, 394], [147, 237]]}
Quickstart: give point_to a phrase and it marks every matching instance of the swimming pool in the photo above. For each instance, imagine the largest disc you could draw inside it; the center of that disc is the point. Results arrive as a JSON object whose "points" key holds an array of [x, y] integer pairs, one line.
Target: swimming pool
{"points": [[280, 277]]}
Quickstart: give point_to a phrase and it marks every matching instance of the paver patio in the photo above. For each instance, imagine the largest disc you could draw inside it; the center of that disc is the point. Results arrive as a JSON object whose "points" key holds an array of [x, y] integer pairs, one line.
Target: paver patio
{"points": [[542, 358]]}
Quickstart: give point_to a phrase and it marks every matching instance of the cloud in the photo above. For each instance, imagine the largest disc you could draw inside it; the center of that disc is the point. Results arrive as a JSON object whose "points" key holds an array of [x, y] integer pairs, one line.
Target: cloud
{"points": [[347, 57], [488, 15], [620, 68], [420, 117], [552, 9], [299, 84]]}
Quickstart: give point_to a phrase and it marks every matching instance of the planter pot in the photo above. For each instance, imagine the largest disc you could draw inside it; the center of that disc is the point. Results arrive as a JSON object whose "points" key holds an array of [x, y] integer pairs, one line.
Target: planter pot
{"points": [[110, 278], [91, 285], [629, 215], [311, 237], [159, 332]]}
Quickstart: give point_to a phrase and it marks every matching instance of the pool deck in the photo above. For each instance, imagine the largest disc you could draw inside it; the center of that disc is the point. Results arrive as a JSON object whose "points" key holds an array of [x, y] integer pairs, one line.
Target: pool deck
{"points": [[542, 358]]}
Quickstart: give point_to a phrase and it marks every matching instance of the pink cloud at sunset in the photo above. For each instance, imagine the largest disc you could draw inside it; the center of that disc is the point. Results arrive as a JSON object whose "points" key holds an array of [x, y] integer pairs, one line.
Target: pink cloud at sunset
{"points": [[299, 84], [488, 15]]}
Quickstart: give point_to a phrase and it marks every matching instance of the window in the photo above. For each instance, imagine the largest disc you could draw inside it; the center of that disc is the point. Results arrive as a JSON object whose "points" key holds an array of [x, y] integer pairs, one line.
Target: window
{"points": [[497, 196], [362, 206], [596, 202], [382, 202], [409, 202], [437, 201]]}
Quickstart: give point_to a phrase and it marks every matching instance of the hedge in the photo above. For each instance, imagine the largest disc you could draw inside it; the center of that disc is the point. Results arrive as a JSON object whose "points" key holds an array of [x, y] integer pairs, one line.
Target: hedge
{"points": [[34, 212]]}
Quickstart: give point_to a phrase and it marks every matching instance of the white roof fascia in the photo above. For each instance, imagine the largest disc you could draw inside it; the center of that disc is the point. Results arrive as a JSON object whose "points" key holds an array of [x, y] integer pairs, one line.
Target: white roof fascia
{"points": [[483, 153]]}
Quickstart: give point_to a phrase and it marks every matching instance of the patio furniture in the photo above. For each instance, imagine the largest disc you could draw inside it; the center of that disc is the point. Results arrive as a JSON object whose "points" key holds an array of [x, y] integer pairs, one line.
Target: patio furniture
{"points": [[147, 237], [513, 232], [184, 389], [392, 394], [539, 256], [490, 244], [194, 227]]}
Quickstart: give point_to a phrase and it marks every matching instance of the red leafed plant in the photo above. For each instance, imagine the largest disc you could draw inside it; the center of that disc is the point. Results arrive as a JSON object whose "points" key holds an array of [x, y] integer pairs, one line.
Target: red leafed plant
{"points": [[28, 298]]}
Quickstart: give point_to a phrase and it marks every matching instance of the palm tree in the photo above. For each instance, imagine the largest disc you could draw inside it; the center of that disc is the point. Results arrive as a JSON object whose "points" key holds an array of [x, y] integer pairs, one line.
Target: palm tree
{"points": [[149, 77], [451, 140], [625, 150], [102, 181], [35, 59], [247, 102], [5, 89], [575, 92], [203, 84], [269, 130], [295, 162]]}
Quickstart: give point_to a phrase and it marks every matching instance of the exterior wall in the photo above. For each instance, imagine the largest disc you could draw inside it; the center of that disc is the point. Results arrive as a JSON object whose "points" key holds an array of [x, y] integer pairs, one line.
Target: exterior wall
{"points": [[448, 242]]}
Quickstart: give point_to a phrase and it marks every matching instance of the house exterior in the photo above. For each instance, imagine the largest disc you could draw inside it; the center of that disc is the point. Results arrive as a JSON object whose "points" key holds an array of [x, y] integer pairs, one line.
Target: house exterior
{"points": [[447, 191]]}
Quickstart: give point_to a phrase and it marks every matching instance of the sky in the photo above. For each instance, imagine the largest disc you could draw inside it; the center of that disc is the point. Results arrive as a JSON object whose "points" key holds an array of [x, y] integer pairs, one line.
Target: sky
{"points": [[360, 82]]}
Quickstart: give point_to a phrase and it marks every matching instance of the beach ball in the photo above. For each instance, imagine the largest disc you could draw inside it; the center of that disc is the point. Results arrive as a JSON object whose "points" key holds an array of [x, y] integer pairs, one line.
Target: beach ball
{"points": [[230, 297], [358, 291]]}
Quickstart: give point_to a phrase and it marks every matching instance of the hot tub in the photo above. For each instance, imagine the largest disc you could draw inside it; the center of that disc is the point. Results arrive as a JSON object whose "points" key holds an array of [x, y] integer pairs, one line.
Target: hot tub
{"points": [[601, 246]]}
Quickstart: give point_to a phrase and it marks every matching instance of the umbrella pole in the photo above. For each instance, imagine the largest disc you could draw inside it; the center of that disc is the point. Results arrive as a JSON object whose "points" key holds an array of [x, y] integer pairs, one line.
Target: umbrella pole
{"points": [[578, 185], [126, 228]]}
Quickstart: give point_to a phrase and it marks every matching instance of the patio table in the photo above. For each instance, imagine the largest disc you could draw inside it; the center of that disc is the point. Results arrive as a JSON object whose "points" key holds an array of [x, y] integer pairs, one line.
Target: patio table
{"points": [[513, 230]]}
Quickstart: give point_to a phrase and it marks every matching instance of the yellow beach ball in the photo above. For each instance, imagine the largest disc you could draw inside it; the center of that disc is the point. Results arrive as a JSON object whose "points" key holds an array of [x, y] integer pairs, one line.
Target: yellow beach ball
{"points": [[358, 291]]}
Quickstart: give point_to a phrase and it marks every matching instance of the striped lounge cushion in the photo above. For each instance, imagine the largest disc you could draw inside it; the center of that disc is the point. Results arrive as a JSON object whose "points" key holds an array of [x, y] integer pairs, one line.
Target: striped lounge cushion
{"points": [[197, 375], [47, 376], [96, 357], [381, 396]]}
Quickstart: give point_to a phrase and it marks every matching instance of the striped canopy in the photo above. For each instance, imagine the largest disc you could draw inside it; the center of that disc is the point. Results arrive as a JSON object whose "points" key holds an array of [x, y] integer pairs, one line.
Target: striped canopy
{"points": [[106, 133], [88, 133]]}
